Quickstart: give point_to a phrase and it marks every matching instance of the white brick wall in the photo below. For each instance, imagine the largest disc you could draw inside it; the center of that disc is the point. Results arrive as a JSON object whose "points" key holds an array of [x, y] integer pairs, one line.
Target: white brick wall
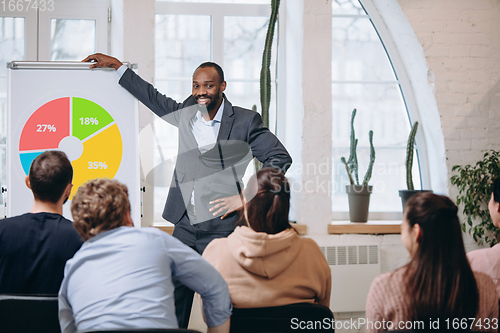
{"points": [[461, 42]]}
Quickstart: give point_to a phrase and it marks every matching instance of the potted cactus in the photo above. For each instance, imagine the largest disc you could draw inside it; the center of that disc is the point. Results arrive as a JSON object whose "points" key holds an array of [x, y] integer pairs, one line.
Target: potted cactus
{"points": [[406, 194], [358, 194]]}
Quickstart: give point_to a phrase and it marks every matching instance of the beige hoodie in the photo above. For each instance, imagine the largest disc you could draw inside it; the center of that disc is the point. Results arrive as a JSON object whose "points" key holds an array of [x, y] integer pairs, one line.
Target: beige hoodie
{"points": [[270, 270]]}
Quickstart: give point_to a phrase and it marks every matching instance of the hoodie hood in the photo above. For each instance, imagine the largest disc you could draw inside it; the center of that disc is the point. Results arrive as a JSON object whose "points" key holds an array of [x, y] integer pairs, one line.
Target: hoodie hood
{"points": [[263, 254]]}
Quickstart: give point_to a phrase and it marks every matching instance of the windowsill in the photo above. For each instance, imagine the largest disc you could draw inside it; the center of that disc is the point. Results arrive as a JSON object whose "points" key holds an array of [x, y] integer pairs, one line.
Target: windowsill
{"points": [[374, 227], [169, 227], [164, 226]]}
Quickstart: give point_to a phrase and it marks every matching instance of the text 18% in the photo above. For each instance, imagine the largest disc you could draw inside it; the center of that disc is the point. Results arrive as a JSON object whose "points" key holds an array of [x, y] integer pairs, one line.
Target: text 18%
{"points": [[89, 121]]}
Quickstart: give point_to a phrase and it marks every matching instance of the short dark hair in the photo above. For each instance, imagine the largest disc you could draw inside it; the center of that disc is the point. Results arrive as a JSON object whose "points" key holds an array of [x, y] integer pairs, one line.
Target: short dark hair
{"points": [[268, 201], [50, 174], [99, 205], [495, 189], [213, 65]]}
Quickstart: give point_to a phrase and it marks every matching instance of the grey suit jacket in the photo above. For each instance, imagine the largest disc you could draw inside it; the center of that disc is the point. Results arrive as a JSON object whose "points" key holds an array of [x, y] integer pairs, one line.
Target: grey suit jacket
{"points": [[195, 170]]}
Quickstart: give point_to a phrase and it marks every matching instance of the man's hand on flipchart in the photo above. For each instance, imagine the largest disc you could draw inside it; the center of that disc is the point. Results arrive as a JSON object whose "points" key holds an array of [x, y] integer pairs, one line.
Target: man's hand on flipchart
{"points": [[231, 204], [102, 60]]}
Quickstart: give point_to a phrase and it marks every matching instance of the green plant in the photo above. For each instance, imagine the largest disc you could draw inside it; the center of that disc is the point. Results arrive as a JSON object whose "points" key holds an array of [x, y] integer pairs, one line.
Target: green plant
{"points": [[409, 156], [474, 188], [351, 165], [265, 72], [256, 163]]}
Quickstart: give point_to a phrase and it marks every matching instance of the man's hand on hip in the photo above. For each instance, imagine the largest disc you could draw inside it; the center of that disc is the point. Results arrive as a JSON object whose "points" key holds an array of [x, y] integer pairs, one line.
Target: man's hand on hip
{"points": [[231, 204]]}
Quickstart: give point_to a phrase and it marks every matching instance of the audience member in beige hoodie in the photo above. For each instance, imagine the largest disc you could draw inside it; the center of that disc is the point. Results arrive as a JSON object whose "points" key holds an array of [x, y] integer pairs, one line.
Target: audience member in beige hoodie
{"points": [[266, 263], [488, 260]]}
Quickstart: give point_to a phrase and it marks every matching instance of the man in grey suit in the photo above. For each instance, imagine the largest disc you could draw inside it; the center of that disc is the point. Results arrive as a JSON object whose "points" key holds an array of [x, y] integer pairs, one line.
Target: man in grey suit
{"points": [[213, 135]]}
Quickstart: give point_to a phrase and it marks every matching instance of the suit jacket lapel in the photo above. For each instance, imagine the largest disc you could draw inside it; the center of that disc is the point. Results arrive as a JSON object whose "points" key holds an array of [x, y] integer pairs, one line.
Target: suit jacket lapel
{"points": [[226, 122], [185, 132]]}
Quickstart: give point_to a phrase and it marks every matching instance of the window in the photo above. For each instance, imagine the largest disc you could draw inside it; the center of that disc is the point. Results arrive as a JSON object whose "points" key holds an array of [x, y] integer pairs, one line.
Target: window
{"points": [[232, 34], [62, 30], [71, 39], [12, 41], [363, 78]]}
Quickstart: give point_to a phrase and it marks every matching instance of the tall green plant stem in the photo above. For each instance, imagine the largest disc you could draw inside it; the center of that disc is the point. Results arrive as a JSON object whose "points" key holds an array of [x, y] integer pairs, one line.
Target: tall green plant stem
{"points": [[265, 72], [256, 163], [409, 156], [352, 161], [368, 174], [351, 165]]}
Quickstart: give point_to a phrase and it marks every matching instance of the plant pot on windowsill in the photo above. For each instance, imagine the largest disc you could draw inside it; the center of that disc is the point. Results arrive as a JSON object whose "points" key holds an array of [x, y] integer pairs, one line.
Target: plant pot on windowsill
{"points": [[407, 194], [359, 202], [358, 195]]}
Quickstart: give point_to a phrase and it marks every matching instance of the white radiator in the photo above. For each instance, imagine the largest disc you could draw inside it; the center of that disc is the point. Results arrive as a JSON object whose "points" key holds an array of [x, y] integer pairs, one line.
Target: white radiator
{"points": [[353, 267]]}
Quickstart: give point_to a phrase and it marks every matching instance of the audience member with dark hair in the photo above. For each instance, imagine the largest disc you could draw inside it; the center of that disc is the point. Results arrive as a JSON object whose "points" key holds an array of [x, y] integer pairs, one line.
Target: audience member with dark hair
{"points": [[35, 246], [266, 263], [437, 283], [122, 277], [488, 260]]}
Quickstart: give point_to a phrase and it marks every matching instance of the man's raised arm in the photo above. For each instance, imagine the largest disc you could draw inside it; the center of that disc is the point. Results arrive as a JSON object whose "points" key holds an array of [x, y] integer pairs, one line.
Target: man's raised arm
{"points": [[160, 104]]}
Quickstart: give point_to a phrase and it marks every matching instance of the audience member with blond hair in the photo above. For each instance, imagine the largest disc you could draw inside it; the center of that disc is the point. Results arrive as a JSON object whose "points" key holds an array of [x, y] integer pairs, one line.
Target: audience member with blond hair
{"points": [[488, 260], [35, 246], [266, 263], [437, 283], [122, 277]]}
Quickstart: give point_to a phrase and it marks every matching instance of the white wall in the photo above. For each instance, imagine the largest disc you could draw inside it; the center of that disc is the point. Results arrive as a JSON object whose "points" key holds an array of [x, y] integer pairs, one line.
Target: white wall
{"points": [[461, 42]]}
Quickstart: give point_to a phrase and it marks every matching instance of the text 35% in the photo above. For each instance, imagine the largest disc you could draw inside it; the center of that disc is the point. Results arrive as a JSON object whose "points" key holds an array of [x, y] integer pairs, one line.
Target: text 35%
{"points": [[97, 165]]}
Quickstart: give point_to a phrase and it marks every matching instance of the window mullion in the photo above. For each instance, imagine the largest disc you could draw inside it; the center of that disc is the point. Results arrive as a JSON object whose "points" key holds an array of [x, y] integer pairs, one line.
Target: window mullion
{"points": [[218, 39]]}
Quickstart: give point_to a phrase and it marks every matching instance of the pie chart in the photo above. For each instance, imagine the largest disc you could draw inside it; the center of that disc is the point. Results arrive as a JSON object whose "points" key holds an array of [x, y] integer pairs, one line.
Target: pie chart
{"points": [[84, 130]]}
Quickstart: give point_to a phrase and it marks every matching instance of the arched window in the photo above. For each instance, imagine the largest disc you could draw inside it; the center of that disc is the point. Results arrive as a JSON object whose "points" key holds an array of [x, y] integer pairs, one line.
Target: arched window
{"points": [[363, 77]]}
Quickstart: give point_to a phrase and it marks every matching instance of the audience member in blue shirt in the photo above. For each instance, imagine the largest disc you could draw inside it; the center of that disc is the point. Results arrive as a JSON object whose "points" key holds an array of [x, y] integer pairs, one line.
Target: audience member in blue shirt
{"points": [[122, 277]]}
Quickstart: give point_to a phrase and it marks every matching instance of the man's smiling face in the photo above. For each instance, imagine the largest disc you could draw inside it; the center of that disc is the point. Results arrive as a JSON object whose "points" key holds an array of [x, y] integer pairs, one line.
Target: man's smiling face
{"points": [[208, 88]]}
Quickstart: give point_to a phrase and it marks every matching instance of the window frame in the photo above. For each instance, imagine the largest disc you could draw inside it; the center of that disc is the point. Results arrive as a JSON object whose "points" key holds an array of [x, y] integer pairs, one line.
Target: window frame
{"points": [[30, 32], [408, 96], [88, 10]]}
